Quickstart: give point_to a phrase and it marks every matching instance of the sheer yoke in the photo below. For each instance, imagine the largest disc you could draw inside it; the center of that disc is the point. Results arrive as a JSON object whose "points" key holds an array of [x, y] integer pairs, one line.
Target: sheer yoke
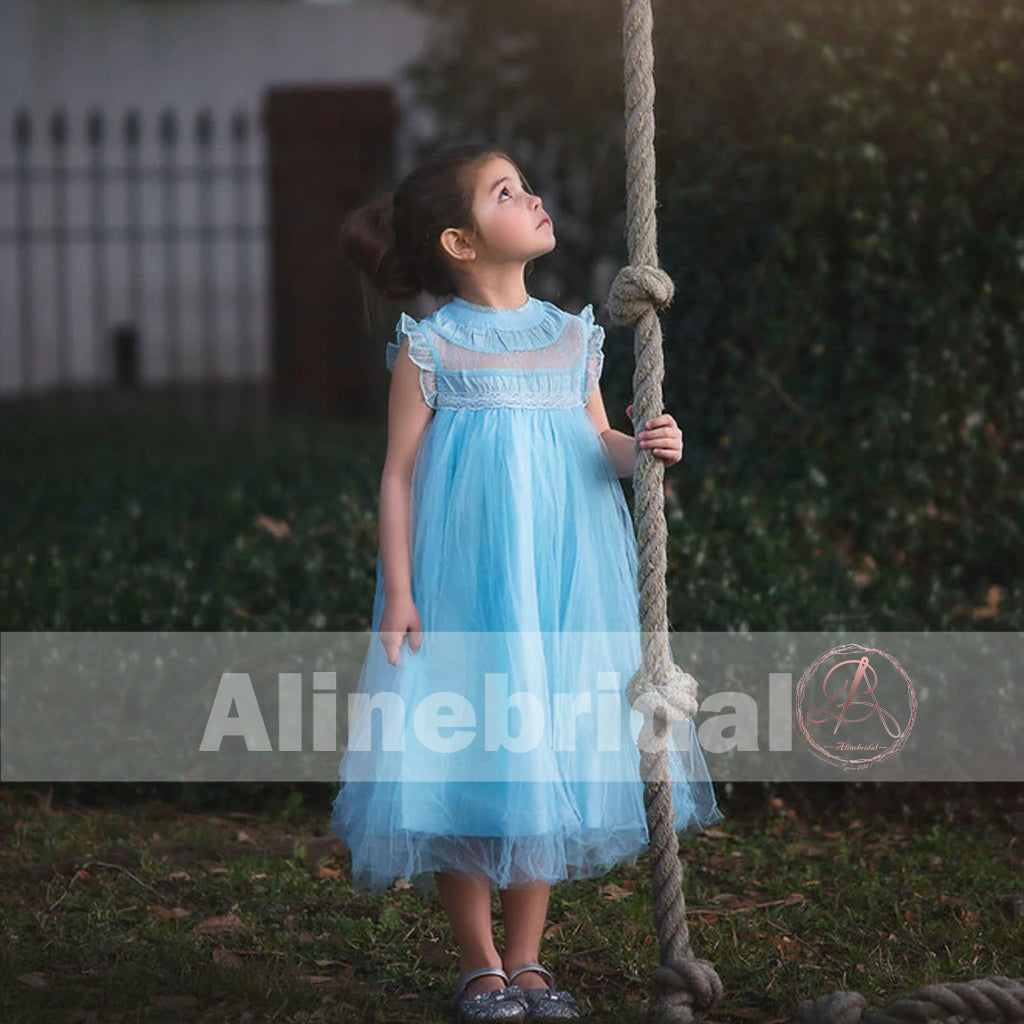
{"points": [[472, 357]]}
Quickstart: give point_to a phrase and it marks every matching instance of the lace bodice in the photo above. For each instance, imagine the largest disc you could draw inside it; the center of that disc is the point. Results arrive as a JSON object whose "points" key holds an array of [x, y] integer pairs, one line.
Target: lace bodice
{"points": [[477, 357]]}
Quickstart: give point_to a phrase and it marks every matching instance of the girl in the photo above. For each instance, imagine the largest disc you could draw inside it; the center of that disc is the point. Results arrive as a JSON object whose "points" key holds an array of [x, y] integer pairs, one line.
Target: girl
{"points": [[507, 566]]}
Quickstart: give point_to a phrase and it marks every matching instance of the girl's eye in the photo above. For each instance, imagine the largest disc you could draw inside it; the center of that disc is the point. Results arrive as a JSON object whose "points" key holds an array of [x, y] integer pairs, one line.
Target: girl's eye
{"points": [[505, 188]]}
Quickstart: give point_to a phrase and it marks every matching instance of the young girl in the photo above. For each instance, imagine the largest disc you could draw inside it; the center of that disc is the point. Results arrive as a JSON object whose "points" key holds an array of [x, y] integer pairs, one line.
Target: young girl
{"points": [[503, 755]]}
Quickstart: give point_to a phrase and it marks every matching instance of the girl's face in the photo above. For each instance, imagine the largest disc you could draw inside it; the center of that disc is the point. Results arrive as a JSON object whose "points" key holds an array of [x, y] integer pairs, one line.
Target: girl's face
{"points": [[511, 223]]}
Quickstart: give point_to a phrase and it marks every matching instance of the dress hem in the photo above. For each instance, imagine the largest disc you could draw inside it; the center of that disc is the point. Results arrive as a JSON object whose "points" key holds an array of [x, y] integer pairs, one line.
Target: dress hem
{"points": [[619, 849]]}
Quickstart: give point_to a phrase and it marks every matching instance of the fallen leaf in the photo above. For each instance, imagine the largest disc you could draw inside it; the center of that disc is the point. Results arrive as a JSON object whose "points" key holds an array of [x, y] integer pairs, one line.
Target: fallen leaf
{"points": [[808, 849], [275, 527], [611, 891], [33, 980], [706, 916], [221, 925], [167, 914], [720, 863], [226, 956], [432, 952], [727, 897], [991, 606], [863, 576]]}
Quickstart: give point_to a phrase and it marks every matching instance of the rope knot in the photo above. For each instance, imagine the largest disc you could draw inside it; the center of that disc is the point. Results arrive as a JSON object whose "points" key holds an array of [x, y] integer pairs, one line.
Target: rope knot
{"points": [[685, 984], [636, 290], [673, 700]]}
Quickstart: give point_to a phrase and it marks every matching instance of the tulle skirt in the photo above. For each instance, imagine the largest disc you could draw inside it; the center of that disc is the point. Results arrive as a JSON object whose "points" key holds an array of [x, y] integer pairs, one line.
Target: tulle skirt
{"points": [[504, 745]]}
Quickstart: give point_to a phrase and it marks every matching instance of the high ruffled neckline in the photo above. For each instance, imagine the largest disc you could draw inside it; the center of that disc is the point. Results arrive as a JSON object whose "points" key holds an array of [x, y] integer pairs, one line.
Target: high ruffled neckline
{"points": [[471, 314], [489, 328], [459, 301]]}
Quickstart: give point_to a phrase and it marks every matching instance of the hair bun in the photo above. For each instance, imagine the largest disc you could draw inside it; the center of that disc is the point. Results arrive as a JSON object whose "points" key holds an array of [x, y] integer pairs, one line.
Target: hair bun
{"points": [[368, 239]]}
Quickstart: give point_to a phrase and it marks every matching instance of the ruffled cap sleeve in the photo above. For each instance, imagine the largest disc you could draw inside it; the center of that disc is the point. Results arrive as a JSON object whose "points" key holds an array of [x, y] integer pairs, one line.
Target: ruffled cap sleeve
{"points": [[421, 352], [593, 343]]}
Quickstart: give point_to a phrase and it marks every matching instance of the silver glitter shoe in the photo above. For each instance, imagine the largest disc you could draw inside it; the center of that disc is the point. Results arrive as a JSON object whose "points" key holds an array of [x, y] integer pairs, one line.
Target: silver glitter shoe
{"points": [[504, 1004], [547, 1003]]}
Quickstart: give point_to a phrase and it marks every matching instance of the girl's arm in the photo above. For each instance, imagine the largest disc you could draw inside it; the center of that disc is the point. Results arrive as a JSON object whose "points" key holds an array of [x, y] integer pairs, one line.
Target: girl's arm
{"points": [[618, 445], [663, 437], [408, 417]]}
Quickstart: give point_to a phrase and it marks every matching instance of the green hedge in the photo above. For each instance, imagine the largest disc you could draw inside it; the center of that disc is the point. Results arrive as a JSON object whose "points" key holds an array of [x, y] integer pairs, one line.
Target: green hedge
{"points": [[840, 189], [842, 197]]}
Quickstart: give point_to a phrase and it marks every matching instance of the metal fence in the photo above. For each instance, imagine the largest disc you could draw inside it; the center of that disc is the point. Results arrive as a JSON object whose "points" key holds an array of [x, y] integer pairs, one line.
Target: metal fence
{"points": [[131, 257]]}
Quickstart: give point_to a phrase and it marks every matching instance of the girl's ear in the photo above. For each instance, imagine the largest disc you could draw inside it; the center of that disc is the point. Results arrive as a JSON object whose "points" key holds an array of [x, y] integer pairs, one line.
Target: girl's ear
{"points": [[457, 244]]}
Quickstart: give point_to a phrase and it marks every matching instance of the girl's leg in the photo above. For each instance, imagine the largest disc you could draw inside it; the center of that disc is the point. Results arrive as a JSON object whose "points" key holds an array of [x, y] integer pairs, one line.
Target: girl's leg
{"points": [[466, 900], [525, 911]]}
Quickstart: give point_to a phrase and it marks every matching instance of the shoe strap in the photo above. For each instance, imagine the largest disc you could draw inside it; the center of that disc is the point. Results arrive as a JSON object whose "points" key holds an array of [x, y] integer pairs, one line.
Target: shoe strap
{"points": [[479, 973], [523, 968]]}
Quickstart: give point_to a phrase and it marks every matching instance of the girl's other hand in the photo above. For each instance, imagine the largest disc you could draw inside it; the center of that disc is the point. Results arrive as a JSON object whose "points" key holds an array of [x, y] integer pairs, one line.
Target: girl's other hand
{"points": [[400, 616], [662, 435]]}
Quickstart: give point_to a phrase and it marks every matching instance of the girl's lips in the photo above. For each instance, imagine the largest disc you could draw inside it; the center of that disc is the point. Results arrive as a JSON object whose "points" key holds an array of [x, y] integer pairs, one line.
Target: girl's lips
{"points": [[546, 220]]}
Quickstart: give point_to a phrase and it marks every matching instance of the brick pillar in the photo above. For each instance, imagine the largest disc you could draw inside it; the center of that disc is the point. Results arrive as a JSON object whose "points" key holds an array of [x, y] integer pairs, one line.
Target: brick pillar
{"points": [[329, 148]]}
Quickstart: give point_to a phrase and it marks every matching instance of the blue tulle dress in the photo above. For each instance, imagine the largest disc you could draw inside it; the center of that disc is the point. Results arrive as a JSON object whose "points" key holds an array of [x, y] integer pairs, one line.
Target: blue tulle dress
{"points": [[524, 573]]}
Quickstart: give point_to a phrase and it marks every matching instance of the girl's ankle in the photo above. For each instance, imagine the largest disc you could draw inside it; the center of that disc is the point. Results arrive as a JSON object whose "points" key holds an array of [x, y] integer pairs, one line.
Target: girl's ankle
{"points": [[486, 982], [526, 979]]}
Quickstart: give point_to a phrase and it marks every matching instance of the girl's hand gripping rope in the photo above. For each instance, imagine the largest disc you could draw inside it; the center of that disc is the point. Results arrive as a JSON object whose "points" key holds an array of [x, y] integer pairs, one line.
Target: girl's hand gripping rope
{"points": [[662, 435]]}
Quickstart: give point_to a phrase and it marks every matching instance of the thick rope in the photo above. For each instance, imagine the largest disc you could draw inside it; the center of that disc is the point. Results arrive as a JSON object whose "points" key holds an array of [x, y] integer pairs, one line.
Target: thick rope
{"points": [[994, 1000], [660, 689]]}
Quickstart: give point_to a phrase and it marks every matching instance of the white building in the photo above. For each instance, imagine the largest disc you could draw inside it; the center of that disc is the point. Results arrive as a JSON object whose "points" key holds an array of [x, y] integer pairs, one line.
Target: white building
{"points": [[100, 242]]}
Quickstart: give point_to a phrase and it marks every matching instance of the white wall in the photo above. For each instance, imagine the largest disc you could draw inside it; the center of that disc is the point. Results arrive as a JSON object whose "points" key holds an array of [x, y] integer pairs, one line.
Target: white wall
{"points": [[150, 55]]}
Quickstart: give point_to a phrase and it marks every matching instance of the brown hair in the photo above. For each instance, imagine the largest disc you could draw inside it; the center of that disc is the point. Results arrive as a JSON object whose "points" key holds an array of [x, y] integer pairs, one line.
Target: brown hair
{"points": [[394, 240]]}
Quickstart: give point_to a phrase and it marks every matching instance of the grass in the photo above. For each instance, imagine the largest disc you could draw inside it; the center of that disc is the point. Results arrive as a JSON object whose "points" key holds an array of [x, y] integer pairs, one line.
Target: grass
{"points": [[145, 912]]}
